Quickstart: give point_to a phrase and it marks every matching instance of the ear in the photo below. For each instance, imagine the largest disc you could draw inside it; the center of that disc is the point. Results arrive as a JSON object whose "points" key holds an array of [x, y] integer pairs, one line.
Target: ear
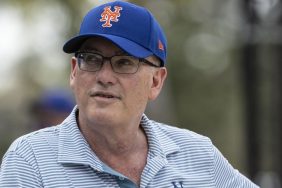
{"points": [[157, 83], [73, 71]]}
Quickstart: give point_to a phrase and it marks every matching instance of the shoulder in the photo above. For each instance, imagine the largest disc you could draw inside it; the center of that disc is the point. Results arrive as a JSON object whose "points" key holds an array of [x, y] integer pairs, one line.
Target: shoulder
{"points": [[23, 158], [173, 137], [37, 140], [180, 135], [191, 144], [184, 147]]}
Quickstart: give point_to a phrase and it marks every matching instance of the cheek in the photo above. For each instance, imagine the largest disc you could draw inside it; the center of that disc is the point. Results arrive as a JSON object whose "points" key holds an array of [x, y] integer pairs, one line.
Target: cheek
{"points": [[139, 92], [80, 87]]}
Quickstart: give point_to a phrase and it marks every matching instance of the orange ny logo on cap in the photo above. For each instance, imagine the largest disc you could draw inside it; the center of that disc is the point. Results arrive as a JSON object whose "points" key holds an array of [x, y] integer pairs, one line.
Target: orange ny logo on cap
{"points": [[108, 15]]}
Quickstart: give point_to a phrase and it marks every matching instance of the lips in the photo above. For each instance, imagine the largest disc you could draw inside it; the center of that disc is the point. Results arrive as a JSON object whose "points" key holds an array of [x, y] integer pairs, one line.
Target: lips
{"points": [[103, 94]]}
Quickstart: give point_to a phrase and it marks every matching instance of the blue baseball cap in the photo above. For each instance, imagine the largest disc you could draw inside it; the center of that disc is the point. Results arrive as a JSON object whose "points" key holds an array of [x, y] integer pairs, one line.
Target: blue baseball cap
{"points": [[59, 100], [133, 28]]}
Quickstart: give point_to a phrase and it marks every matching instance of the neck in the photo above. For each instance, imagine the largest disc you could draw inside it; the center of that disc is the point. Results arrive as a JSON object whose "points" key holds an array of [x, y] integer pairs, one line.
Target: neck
{"points": [[123, 148], [114, 140]]}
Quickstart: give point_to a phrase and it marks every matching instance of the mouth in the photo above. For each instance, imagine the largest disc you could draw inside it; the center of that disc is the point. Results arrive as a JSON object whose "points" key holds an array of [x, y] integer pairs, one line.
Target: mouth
{"points": [[107, 95], [103, 95]]}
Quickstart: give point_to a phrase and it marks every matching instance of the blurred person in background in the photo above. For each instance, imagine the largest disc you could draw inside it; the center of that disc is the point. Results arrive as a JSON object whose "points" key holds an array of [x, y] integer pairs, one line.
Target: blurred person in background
{"points": [[52, 107], [107, 140]]}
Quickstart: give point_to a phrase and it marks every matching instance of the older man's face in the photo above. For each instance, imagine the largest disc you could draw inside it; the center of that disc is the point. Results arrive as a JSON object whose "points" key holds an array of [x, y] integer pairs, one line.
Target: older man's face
{"points": [[106, 97]]}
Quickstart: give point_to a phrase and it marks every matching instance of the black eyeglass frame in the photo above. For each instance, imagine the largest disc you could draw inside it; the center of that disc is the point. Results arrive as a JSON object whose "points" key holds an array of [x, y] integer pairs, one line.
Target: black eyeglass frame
{"points": [[141, 60]]}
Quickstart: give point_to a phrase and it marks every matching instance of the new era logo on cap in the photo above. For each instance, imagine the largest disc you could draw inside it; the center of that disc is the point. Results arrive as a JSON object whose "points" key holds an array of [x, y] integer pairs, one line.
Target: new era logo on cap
{"points": [[108, 15], [161, 46]]}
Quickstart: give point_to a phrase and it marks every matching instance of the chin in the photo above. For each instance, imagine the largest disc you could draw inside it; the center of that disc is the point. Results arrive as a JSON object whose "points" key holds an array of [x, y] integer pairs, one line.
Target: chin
{"points": [[103, 116]]}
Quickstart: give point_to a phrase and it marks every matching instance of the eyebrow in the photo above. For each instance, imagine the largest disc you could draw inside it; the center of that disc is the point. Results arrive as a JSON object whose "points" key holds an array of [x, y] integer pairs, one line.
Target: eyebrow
{"points": [[94, 50]]}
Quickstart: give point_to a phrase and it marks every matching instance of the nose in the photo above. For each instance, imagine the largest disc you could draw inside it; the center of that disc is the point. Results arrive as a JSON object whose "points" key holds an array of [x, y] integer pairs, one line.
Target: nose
{"points": [[106, 76]]}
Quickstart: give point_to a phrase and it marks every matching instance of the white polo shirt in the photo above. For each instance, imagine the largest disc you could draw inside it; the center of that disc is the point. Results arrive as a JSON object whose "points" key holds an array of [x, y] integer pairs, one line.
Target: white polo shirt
{"points": [[59, 156]]}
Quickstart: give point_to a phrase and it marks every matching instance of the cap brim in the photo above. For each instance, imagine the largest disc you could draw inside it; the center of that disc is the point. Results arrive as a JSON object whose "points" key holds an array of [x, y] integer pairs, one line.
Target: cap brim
{"points": [[128, 46]]}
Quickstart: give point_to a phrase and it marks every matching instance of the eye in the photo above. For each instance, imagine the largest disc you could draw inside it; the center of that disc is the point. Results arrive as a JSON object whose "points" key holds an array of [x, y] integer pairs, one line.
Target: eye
{"points": [[92, 58], [124, 61]]}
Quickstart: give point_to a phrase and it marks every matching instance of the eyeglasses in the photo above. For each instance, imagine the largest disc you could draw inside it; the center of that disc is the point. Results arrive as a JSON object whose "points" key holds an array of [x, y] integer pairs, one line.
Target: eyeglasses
{"points": [[122, 64]]}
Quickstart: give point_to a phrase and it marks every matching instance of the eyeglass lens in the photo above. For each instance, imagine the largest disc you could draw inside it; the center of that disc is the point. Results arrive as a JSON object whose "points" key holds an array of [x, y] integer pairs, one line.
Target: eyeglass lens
{"points": [[120, 63]]}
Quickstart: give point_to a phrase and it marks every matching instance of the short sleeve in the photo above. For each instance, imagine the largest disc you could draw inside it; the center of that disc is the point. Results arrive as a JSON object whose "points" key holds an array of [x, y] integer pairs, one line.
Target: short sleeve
{"points": [[16, 172], [227, 176]]}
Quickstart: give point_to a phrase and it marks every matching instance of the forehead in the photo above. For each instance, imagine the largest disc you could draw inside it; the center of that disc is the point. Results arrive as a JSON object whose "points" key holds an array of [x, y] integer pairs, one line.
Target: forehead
{"points": [[102, 45]]}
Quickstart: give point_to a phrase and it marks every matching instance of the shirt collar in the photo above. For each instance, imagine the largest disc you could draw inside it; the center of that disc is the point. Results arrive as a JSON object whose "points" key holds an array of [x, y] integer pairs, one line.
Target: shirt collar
{"points": [[159, 143], [73, 148]]}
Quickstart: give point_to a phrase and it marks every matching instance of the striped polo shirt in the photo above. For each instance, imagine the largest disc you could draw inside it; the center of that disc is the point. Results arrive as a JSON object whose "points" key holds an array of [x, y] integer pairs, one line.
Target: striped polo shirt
{"points": [[60, 156]]}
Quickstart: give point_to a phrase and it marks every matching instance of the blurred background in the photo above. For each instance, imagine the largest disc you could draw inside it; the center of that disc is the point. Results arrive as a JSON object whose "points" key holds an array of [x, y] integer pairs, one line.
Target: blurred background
{"points": [[224, 63]]}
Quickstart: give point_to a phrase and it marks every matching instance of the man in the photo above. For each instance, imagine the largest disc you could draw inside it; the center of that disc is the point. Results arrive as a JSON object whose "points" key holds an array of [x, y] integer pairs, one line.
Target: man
{"points": [[107, 141]]}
